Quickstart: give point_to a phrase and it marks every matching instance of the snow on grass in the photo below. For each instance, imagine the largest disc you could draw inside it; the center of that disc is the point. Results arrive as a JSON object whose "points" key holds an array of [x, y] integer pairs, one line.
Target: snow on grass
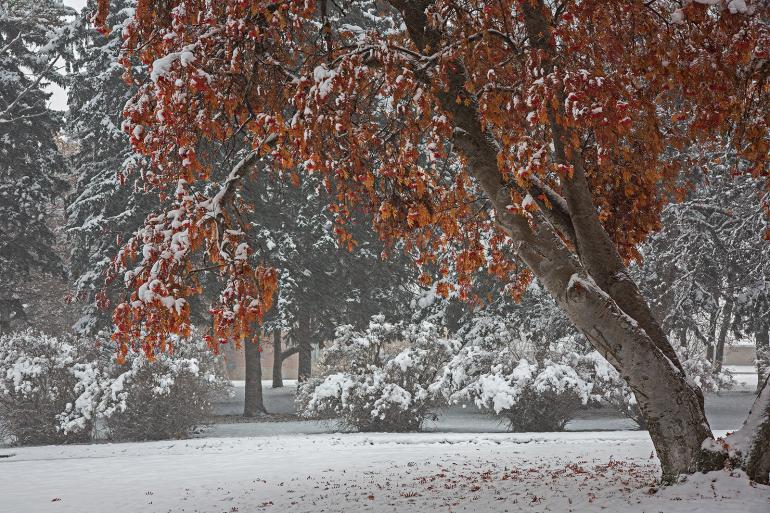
{"points": [[420, 473]]}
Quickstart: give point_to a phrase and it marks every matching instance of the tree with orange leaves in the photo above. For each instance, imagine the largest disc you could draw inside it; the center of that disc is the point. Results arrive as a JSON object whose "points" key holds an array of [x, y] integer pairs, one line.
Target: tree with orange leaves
{"points": [[523, 137]]}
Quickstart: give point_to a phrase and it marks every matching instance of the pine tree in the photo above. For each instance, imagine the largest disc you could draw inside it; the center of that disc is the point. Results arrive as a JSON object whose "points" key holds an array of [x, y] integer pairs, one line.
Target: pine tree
{"points": [[33, 38], [108, 203]]}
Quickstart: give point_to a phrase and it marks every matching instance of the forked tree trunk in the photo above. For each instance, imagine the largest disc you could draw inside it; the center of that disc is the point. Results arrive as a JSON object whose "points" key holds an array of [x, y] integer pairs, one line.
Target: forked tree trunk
{"points": [[590, 283], [253, 404], [277, 360]]}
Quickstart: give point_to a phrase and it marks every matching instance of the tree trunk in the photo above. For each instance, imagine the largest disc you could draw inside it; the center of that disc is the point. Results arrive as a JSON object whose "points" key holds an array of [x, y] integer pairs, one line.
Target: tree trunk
{"points": [[253, 404], [762, 341], [683, 338], [719, 351], [305, 348], [712, 330], [277, 360], [305, 360]]}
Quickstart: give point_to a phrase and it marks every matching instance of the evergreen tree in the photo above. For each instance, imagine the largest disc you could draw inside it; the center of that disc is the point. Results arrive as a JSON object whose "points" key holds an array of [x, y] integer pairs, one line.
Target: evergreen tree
{"points": [[33, 39], [109, 202]]}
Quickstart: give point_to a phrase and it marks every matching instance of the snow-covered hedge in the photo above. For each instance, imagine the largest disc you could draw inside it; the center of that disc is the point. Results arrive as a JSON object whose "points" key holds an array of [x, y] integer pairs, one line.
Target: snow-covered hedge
{"points": [[377, 380], [64, 390], [39, 378]]}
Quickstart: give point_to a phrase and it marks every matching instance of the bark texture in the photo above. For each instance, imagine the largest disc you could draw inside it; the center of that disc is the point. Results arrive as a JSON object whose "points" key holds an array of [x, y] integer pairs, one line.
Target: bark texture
{"points": [[305, 366], [762, 344], [304, 347]]}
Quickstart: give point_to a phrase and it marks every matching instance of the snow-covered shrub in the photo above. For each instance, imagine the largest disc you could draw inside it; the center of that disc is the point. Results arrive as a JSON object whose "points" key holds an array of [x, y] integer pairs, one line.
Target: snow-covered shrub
{"points": [[377, 380], [57, 390], [531, 395], [39, 379], [608, 386], [166, 397]]}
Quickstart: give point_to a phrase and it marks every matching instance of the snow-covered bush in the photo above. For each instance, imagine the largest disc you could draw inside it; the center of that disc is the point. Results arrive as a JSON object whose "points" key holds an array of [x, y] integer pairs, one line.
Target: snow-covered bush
{"points": [[377, 380], [531, 395], [499, 337], [39, 378], [59, 390], [166, 397]]}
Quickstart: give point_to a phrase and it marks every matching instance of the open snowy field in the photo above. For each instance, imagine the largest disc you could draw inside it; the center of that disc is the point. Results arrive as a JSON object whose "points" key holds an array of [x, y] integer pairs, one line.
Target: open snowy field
{"points": [[581, 472]]}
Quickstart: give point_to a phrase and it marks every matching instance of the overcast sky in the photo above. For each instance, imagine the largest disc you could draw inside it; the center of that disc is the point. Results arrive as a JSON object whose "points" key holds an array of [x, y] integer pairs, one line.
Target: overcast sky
{"points": [[59, 99]]}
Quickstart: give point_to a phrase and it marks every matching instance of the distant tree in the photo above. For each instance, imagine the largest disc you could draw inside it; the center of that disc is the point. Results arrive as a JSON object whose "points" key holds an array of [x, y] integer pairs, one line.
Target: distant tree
{"points": [[321, 285], [707, 271]]}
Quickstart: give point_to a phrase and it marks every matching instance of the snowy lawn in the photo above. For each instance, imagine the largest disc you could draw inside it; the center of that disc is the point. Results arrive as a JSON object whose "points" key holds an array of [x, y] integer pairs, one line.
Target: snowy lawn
{"points": [[581, 472]]}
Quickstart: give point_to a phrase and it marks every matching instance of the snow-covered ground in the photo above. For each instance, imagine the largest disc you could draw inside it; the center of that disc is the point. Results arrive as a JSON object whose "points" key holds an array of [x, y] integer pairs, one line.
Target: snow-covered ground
{"points": [[419, 473], [465, 462]]}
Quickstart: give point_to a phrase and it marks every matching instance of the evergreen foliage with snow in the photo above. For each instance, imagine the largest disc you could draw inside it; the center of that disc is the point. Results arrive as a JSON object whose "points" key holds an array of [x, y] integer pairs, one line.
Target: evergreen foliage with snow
{"points": [[323, 284], [708, 270], [33, 37], [108, 202]]}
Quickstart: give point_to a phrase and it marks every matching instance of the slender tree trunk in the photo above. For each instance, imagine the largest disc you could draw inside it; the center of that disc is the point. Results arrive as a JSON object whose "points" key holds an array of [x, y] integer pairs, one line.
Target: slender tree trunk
{"points": [[5, 327], [762, 341], [305, 349], [253, 404], [713, 318], [305, 367], [719, 351], [277, 360], [683, 338]]}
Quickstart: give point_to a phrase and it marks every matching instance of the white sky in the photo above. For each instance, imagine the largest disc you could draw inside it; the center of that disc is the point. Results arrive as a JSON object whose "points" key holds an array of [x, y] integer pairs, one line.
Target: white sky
{"points": [[59, 99]]}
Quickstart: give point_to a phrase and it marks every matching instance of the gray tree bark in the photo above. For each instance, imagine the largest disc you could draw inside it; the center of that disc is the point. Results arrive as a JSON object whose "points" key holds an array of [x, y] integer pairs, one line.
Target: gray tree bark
{"points": [[305, 367], [253, 404], [727, 320], [304, 347], [762, 344], [277, 360], [752, 441]]}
